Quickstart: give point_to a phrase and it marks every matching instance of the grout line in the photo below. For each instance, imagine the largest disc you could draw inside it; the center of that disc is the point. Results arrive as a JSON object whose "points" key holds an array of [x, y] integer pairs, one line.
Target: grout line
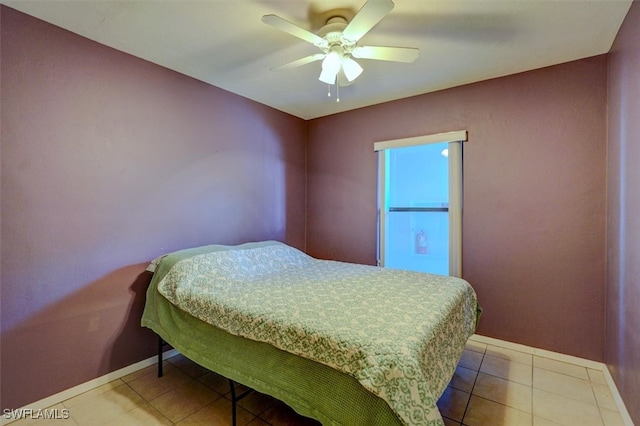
{"points": [[473, 387]]}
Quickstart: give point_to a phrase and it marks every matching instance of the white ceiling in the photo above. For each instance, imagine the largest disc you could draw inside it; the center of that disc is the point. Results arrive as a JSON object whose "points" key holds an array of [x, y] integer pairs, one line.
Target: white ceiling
{"points": [[225, 43]]}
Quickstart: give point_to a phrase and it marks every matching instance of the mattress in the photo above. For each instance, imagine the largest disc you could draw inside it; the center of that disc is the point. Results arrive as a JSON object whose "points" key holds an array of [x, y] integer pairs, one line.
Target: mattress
{"points": [[390, 339]]}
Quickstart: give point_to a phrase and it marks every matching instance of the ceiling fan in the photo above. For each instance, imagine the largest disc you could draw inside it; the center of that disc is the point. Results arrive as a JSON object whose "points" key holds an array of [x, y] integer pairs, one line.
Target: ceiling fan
{"points": [[338, 41]]}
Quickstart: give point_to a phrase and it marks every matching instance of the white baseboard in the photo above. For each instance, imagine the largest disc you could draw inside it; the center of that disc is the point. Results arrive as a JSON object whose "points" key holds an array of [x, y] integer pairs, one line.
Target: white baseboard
{"points": [[617, 398], [87, 386], [587, 363]]}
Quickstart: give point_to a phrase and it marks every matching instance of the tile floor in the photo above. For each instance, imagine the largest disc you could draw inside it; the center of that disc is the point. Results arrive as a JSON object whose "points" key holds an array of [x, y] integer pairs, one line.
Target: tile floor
{"points": [[491, 386]]}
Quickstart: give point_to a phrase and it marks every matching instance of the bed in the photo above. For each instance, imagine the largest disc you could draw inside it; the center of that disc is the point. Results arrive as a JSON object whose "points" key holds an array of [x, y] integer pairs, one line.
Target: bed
{"points": [[338, 342]]}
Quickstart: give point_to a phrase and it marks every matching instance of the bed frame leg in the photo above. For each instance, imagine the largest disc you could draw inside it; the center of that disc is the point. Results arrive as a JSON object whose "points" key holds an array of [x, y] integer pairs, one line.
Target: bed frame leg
{"points": [[234, 400], [160, 346]]}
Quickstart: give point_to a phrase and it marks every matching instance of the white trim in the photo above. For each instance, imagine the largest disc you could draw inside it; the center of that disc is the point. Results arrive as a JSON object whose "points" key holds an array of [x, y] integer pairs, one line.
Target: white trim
{"points": [[626, 417], [382, 210], [457, 136], [587, 363], [455, 208], [91, 384]]}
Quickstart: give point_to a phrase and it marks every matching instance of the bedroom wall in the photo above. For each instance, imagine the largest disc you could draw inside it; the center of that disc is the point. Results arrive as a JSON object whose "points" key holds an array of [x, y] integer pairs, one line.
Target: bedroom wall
{"points": [[534, 196], [107, 162], [623, 208]]}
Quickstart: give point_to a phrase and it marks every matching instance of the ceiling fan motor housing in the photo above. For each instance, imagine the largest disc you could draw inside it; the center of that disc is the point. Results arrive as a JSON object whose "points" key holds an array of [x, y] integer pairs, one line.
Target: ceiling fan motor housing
{"points": [[332, 33]]}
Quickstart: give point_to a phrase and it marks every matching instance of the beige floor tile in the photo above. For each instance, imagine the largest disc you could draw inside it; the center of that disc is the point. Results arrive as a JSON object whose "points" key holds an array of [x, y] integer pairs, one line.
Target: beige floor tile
{"points": [[151, 386], [453, 403], [69, 403], [476, 346], [280, 414], [471, 359], [563, 410], [152, 369], [186, 365], [184, 400], [36, 421], [561, 367], [143, 415], [106, 406], [257, 422], [510, 354], [604, 397], [218, 413], [511, 394], [449, 422], [505, 369], [257, 402], [463, 379], [596, 376], [611, 418], [540, 421], [217, 383], [482, 412], [567, 386]]}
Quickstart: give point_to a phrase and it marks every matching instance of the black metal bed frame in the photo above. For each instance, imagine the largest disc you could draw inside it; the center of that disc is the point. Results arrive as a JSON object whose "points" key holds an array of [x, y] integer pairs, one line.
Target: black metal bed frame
{"points": [[234, 396]]}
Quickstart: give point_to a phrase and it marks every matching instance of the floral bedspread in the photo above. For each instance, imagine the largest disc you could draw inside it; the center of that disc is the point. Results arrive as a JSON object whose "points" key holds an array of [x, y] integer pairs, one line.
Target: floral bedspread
{"points": [[399, 333]]}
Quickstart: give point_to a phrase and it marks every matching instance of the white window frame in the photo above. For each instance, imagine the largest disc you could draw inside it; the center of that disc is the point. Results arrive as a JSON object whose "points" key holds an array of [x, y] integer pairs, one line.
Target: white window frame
{"points": [[454, 139]]}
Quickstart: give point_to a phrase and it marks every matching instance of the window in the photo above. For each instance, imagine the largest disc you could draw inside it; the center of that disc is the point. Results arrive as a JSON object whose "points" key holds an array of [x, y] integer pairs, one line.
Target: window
{"points": [[420, 203]]}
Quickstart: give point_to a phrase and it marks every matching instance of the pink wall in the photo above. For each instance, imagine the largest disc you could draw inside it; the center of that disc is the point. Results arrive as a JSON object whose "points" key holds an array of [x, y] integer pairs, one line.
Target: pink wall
{"points": [[534, 196], [108, 161], [623, 220]]}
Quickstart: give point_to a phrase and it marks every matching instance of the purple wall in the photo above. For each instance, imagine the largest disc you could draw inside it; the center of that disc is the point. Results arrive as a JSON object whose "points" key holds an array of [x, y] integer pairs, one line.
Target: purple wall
{"points": [[534, 196], [108, 161], [623, 219]]}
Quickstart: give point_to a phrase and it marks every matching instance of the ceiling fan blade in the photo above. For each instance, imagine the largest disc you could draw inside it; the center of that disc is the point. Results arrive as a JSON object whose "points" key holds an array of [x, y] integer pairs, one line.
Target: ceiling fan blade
{"points": [[288, 27], [371, 13], [300, 62], [395, 54]]}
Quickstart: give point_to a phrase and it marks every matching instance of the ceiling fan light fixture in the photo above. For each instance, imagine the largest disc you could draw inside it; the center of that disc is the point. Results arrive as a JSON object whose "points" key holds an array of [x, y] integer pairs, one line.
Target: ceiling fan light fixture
{"points": [[331, 66], [351, 68], [327, 77]]}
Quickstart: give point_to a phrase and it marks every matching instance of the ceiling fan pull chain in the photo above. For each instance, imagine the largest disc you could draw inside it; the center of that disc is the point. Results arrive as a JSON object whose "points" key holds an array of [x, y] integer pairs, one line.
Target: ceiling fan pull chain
{"points": [[337, 92], [328, 90]]}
